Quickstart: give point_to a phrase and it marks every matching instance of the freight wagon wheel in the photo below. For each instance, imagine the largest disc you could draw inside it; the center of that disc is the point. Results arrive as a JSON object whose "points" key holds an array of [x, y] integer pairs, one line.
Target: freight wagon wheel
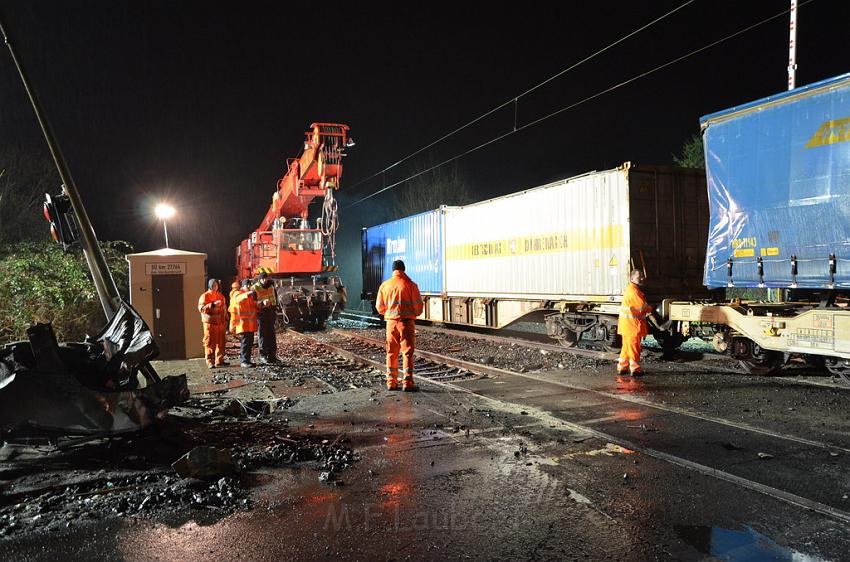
{"points": [[613, 343], [840, 367], [766, 363], [568, 338], [668, 340]]}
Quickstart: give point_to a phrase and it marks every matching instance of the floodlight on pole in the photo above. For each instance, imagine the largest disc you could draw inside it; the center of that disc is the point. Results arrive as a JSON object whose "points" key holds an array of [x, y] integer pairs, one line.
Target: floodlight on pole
{"points": [[164, 212]]}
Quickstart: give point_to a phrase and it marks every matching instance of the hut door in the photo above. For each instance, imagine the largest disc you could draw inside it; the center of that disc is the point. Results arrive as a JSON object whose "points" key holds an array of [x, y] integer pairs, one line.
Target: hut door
{"points": [[168, 324]]}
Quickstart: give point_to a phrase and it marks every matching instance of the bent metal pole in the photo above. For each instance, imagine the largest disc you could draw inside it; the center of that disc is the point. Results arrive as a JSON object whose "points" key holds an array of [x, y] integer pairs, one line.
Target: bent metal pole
{"points": [[107, 291]]}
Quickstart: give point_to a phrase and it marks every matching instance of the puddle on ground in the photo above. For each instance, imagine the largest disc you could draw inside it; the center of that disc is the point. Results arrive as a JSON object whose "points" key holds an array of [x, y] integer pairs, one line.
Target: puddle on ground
{"points": [[738, 546]]}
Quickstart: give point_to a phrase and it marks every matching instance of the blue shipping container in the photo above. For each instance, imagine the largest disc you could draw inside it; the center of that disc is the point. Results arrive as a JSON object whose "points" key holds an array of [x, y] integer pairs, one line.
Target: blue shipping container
{"points": [[778, 173], [417, 240]]}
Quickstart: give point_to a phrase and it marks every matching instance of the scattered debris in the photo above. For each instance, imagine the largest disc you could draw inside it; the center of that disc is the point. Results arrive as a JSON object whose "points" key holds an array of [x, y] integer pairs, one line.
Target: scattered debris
{"points": [[765, 456], [233, 408], [205, 463], [578, 498]]}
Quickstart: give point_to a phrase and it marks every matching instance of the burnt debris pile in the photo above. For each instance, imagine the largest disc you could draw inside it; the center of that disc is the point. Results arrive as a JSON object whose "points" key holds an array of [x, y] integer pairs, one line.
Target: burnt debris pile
{"points": [[199, 468]]}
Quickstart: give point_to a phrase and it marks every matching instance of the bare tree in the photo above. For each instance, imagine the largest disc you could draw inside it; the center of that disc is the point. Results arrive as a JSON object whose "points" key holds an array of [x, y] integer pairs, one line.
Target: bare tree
{"points": [[442, 186], [24, 179]]}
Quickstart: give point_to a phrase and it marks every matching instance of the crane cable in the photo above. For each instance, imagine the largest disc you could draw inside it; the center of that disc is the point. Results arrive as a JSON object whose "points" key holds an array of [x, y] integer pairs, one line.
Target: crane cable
{"points": [[514, 100], [329, 223], [576, 104]]}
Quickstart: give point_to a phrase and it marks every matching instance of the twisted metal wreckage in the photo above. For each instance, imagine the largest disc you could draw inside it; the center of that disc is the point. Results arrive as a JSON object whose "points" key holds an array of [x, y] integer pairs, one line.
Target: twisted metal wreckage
{"points": [[84, 388]]}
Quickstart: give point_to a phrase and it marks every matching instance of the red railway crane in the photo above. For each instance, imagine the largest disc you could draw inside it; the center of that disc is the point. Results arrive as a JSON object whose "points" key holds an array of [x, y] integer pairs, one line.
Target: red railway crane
{"points": [[297, 254]]}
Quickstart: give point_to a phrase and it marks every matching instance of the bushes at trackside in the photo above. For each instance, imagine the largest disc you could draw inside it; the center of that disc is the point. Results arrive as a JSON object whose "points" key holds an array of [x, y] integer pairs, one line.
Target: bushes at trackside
{"points": [[41, 283]]}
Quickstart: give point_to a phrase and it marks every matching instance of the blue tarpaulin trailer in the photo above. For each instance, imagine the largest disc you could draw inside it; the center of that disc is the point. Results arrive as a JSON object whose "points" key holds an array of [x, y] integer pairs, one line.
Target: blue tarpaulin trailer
{"points": [[417, 240], [778, 173]]}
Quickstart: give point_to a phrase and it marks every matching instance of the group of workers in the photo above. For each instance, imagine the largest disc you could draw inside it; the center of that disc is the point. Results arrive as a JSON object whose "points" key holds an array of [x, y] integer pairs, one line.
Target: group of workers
{"points": [[253, 309]]}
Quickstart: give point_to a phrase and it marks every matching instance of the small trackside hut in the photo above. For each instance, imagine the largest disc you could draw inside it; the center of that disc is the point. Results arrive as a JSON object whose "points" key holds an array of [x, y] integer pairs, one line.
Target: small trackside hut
{"points": [[164, 288]]}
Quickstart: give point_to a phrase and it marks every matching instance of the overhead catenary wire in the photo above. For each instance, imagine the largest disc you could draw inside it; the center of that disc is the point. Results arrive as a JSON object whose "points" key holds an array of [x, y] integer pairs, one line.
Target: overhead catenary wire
{"points": [[576, 104], [515, 100]]}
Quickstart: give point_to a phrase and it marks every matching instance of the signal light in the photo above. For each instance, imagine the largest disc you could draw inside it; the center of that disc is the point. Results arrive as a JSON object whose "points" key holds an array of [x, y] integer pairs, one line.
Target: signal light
{"points": [[59, 213]]}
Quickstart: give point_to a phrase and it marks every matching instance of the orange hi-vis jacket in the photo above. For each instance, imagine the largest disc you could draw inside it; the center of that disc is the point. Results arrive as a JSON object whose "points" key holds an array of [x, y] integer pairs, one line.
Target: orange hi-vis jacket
{"points": [[212, 313], [265, 294], [243, 313], [399, 298], [633, 311]]}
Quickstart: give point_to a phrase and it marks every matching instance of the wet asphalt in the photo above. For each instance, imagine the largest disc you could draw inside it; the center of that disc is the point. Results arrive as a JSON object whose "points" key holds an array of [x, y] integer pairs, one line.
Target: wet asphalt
{"points": [[687, 463]]}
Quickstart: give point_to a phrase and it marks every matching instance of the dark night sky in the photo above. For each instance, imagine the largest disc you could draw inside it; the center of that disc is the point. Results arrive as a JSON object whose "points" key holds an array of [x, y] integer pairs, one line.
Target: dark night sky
{"points": [[201, 103]]}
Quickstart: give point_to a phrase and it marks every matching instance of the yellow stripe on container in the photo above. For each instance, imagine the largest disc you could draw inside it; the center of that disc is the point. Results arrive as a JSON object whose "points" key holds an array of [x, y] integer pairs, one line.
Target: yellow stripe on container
{"points": [[604, 238]]}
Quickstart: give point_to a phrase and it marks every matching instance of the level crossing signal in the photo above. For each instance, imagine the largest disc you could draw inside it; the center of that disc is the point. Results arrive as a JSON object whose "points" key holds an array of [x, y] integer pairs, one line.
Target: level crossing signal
{"points": [[60, 215]]}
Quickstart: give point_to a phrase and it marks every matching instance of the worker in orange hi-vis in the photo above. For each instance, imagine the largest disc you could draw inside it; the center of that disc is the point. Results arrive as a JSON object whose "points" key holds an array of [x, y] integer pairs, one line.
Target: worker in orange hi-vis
{"points": [[243, 321], [632, 325], [400, 302], [234, 288], [213, 311]]}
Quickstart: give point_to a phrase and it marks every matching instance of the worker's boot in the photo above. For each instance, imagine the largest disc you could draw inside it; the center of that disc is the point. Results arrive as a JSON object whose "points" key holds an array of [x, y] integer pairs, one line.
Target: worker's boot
{"points": [[407, 384], [392, 383]]}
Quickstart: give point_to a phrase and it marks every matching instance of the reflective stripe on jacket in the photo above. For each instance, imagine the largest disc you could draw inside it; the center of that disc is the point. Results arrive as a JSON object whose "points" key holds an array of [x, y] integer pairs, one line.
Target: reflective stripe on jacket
{"points": [[243, 313], [633, 311], [212, 313], [399, 297], [265, 294]]}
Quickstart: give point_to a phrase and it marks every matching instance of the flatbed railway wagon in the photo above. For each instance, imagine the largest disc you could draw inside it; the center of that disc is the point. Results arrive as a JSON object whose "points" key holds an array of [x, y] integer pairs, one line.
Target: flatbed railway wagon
{"points": [[778, 174], [563, 250]]}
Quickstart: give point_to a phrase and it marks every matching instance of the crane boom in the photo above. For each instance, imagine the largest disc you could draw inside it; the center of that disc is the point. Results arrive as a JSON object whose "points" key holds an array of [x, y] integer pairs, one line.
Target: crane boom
{"points": [[312, 174]]}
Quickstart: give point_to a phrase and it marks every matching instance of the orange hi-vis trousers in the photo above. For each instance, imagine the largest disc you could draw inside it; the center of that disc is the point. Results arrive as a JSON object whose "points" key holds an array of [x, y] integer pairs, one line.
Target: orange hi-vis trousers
{"points": [[214, 337], [401, 336], [629, 355]]}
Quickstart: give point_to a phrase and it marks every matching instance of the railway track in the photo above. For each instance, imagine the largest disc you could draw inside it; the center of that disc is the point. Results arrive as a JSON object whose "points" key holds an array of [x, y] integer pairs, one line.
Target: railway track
{"points": [[372, 321], [368, 351], [717, 360], [549, 397]]}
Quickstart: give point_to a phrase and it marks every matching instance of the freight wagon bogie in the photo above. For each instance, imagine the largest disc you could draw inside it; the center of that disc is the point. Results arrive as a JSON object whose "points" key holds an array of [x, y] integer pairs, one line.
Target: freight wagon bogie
{"points": [[584, 323]]}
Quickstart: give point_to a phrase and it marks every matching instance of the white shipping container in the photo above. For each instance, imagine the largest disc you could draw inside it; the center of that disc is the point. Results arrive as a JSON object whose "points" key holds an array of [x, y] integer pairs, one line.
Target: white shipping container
{"points": [[568, 239]]}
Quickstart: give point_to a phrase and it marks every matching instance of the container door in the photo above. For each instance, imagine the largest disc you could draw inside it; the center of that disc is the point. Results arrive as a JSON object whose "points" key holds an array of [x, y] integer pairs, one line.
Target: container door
{"points": [[168, 322]]}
